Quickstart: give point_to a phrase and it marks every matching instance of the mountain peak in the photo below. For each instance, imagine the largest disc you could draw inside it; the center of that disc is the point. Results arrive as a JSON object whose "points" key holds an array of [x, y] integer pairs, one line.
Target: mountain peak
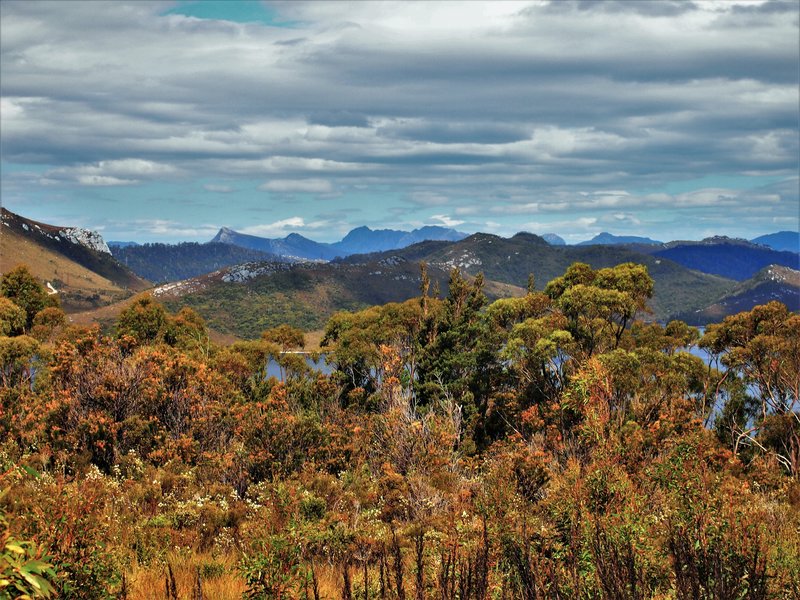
{"points": [[531, 237], [363, 240], [781, 240], [608, 239], [554, 239]]}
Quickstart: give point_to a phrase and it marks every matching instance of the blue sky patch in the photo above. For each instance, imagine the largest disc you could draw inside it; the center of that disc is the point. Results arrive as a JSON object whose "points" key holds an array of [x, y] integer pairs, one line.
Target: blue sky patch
{"points": [[238, 11]]}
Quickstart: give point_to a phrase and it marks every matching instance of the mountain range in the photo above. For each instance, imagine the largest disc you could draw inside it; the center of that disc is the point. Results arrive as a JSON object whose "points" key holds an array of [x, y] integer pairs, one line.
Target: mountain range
{"points": [[732, 258], [607, 239], [771, 283], [361, 240], [246, 299], [161, 263], [242, 290]]}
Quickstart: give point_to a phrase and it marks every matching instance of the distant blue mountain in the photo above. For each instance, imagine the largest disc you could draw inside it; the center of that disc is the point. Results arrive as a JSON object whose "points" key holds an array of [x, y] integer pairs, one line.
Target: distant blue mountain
{"points": [[607, 239], [364, 240], [293, 245], [361, 240], [553, 239], [115, 244], [728, 257], [782, 240]]}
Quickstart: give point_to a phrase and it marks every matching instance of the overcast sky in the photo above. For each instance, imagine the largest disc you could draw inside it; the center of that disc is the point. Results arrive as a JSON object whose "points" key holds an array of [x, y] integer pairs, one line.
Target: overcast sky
{"points": [[162, 121]]}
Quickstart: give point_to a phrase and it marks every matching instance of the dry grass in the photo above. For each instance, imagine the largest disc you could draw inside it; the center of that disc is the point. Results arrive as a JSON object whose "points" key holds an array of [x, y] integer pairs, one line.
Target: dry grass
{"points": [[102, 315], [147, 583], [49, 266], [313, 339]]}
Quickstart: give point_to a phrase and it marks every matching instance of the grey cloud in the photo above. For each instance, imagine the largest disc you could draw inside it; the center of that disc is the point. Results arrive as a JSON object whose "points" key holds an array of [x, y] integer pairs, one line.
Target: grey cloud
{"points": [[662, 8], [339, 118], [505, 110]]}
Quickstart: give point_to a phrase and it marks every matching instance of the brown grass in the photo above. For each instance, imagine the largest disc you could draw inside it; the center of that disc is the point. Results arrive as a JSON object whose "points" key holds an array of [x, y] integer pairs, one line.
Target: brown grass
{"points": [[147, 583], [313, 339], [48, 265]]}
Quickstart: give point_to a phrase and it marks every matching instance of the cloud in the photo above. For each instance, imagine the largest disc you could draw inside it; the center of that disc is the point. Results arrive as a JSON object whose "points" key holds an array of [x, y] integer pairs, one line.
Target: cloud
{"points": [[445, 220], [162, 228], [405, 106], [127, 171], [102, 180], [308, 186], [217, 188], [275, 229], [428, 198]]}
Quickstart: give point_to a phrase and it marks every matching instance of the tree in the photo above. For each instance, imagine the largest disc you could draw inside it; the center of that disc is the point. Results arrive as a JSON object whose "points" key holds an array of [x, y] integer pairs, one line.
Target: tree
{"points": [[287, 337], [22, 288], [601, 304], [145, 321], [12, 317], [763, 347]]}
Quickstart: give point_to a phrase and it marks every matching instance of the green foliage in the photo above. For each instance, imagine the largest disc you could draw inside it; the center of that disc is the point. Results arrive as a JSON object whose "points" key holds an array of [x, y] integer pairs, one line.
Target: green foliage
{"points": [[276, 571], [24, 290], [285, 336], [600, 305], [144, 321], [12, 317], [25, 570]]}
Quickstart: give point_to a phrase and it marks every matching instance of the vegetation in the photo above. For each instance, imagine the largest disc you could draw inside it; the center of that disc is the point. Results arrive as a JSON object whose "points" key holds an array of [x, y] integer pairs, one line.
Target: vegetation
{"points": [[545, 446]]}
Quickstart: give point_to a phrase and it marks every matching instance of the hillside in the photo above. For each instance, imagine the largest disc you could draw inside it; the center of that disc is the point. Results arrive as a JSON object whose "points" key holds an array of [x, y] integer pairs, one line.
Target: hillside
{"points": [[246, 299], [771, 283], [73, 261], [160, 263], [731, 258]]}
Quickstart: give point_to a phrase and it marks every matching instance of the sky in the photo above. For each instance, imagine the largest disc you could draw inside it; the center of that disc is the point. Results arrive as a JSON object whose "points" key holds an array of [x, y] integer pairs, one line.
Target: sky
{"points": [[163, 121]]}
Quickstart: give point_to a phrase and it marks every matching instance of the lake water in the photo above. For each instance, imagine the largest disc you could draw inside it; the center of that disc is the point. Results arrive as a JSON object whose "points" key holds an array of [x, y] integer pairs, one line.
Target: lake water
{"points": [[319, 365]]}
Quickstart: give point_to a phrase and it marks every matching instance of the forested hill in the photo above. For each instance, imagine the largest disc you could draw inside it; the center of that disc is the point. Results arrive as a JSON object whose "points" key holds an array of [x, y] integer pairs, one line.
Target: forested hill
{"points": [[773, 283], [512, 260], [246, 299], [171, 262], [735, 259]]}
